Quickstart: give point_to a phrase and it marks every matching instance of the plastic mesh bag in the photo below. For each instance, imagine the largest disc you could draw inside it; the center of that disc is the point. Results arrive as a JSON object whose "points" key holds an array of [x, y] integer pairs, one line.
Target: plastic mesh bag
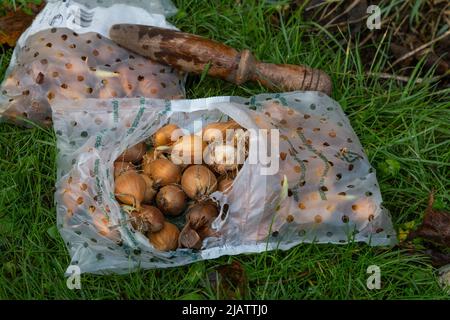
{"points": [[323, 191], [65, 55]]}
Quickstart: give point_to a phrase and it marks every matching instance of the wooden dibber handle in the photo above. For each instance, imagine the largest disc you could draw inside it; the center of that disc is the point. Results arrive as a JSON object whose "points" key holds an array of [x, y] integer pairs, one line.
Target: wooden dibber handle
{"points": [[192, 53]]}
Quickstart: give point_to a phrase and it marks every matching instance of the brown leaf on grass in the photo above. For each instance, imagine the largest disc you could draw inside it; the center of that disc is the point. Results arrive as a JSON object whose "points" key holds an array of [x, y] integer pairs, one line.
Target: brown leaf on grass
{"points": [[435, 226], [400, 51], [15, 22], [412, 49], [230, 281], [438, 258]]}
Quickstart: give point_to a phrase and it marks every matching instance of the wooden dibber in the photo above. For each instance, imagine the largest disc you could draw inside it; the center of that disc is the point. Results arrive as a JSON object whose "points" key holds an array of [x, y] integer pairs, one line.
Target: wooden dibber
{"points": [[192, 53]]}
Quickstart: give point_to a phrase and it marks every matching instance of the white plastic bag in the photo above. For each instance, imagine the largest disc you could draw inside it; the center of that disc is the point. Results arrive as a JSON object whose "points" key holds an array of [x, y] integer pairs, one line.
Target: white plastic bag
{"points": [[324, 191], [65, 54]]}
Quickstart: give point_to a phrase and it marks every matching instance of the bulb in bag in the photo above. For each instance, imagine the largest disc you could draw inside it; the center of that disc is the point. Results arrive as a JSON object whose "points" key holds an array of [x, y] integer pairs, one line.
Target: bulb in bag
{"points": [[58, 63], [319, 194]]}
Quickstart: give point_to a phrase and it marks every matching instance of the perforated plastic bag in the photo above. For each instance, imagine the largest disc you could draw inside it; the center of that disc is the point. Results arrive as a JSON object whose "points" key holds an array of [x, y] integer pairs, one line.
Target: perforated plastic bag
{"points": [[324, 191], [65, 55]]}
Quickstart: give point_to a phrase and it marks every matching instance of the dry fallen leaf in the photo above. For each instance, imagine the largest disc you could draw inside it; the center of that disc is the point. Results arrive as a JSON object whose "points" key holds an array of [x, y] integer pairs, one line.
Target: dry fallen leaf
{"points": [[435, 226], [230, 280], [14, 23]]}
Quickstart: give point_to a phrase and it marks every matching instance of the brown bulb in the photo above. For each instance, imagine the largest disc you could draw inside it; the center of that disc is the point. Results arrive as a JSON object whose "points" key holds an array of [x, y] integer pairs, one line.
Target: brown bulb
{"points": [[225, 185], [122, 166], [147, 219], [189, 238], [198, 181], [133, 154], [150, 190], [171, 200], [188, 150], [202, 214], [165, 136], [130, 188], [165, 239], [163, 172]]}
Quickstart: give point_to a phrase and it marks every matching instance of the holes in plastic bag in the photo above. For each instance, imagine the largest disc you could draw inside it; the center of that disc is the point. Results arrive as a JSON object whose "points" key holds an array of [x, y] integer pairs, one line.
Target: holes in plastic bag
{"points": [[40, 78], [225, 209], [318, 218]]}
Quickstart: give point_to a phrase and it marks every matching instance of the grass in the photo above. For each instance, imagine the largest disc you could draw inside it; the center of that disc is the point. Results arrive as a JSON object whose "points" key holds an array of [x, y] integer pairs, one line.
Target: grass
{"points": [[405, 129]]}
